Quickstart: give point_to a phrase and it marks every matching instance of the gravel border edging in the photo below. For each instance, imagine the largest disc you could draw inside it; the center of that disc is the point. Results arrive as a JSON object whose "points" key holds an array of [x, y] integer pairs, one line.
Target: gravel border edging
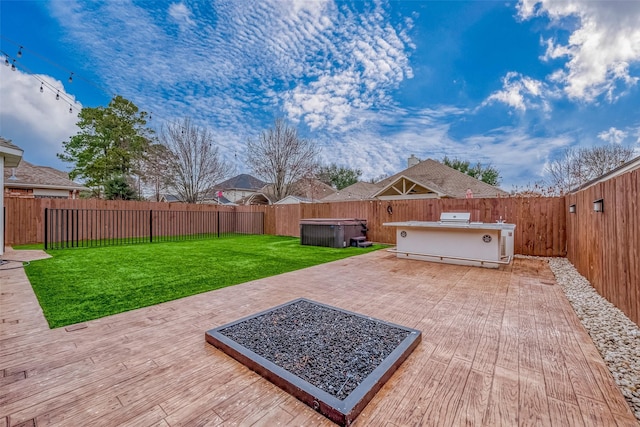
{"points": [[615, 336]]}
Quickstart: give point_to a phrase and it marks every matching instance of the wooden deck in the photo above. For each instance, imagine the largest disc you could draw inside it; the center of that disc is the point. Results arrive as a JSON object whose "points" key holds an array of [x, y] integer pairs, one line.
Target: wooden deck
{"points": [[499, 347]]}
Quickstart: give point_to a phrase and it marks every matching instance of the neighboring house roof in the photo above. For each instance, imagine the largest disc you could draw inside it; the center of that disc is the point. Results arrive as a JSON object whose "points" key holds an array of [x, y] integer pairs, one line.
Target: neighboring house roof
{"points": [[214, 195], [403, 187], [27, 175], [170, 198], [12, 153], [255, 199], [443, 180], [219, 200], [309, 188], [428, 178], [292, 200], [357, 191], [629, 166], [241, 182]]}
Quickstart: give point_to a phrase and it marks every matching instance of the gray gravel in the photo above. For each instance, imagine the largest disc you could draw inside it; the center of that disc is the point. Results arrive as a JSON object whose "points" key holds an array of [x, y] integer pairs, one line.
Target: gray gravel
{"points": [[616, 337], [331, 349]]}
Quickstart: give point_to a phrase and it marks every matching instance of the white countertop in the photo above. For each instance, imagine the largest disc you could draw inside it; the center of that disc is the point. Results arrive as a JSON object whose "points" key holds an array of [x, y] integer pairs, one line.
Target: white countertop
{"points": [[464, 225]]}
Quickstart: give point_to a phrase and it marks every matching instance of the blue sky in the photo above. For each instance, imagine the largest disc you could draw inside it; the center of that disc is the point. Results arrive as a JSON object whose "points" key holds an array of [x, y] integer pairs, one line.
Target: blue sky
{"points": [[511, 84]]}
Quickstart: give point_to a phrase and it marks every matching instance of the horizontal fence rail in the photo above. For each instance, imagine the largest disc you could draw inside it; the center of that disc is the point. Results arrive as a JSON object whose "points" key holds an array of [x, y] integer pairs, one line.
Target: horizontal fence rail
{"points": [[76, 228]]}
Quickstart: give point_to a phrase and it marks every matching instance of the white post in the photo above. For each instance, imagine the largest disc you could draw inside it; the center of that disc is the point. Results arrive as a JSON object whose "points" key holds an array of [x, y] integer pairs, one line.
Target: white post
{"points": [[10, 156]]}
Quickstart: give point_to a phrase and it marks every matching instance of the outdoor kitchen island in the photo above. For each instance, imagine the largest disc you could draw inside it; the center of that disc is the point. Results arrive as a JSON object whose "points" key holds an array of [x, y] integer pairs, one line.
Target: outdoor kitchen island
{"points": [[455, 240]]}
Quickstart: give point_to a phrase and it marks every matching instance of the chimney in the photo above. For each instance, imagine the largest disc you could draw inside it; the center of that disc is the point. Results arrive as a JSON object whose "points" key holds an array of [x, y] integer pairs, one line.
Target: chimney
{"points": [[412, 161]]}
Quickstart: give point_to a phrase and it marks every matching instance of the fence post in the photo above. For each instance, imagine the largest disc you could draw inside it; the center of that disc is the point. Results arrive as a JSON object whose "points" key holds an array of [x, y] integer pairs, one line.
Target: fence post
{"points": [[150, 225], [218, 219], [66, 228], [46, 228]]}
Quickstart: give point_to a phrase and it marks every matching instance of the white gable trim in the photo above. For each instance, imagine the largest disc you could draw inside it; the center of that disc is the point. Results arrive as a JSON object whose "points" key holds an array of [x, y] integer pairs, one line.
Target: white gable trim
{"points": [[411, 196], [404, 186]]}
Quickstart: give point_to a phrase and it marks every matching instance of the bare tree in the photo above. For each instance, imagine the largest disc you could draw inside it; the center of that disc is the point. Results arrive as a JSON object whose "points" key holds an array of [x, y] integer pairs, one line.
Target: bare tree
{"points": [[280, 157], [153, 170], [600, 160], [578, 166], [194, 163]]}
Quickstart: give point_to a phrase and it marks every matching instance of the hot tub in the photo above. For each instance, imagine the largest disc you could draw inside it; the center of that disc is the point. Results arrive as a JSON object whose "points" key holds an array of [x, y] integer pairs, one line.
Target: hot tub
{"points": [[331, 232], [455, 240]]}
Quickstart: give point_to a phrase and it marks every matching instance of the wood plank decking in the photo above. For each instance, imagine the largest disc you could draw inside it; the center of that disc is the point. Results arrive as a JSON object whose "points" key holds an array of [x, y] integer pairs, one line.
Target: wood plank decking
{"points": [[499, 347]]}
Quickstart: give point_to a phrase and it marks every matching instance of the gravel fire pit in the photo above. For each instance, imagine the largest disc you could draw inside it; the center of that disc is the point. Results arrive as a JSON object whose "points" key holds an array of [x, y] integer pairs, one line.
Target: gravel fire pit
{"points": [[331, 359]]}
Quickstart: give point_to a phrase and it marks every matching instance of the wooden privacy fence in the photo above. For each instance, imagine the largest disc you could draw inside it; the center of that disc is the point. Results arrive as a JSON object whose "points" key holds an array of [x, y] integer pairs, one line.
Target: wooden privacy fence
{"points": [[605, 246], [24, 218], [71, 228], [540, 222]]}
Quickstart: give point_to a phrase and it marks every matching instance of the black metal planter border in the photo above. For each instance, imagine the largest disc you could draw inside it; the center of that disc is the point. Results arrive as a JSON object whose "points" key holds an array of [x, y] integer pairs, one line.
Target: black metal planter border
{"points": [[342, 412]]}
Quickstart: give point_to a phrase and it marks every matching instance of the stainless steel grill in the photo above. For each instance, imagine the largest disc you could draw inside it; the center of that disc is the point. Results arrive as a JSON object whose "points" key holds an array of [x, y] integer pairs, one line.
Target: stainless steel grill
{"points": [[455, 217]]}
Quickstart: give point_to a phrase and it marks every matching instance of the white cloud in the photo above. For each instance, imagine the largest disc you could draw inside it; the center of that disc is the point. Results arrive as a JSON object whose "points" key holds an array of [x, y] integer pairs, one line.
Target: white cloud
{"points": [[389, 137], [182, 15], [519, 156], [364, 59], [35, 121], [520, 92], [599, 51], [613, 135], [320, 63]]}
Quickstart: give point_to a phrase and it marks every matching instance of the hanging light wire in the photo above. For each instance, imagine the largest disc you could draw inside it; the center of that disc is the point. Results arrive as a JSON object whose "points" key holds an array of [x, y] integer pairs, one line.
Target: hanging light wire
{"points": [[55, 64], [44, 84]]}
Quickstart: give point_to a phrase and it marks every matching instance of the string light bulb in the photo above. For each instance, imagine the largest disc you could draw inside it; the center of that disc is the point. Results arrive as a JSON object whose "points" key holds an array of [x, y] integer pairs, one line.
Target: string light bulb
{"points": [[20, 52], [41, 88], [71, 78], [6, 61], [58, 95], [70, 109], [13, 65]]}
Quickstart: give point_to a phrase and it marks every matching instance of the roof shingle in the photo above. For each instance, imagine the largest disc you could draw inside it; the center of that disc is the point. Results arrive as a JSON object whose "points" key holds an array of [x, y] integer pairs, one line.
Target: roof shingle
{"points": [[429, 173], [27, 175]]}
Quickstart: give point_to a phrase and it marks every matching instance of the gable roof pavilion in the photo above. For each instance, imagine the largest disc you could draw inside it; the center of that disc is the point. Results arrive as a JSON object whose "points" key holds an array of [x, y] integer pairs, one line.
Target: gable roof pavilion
{"points": [[432, 179]]}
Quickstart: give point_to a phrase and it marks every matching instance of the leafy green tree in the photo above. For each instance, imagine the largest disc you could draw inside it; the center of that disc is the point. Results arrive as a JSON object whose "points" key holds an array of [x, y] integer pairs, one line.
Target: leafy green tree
{"points": [[117, 188], [110, 141], [339, 176], [487, 174]]}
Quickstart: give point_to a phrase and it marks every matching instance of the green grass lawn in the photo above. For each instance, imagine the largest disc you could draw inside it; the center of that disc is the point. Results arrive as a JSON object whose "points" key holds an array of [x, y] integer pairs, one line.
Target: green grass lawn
{"points": [[77, 285]]}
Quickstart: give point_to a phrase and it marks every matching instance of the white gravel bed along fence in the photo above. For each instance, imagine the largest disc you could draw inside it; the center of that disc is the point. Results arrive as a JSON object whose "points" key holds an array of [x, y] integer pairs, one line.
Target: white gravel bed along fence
{"points": [[616, 337]]}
